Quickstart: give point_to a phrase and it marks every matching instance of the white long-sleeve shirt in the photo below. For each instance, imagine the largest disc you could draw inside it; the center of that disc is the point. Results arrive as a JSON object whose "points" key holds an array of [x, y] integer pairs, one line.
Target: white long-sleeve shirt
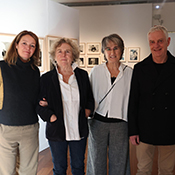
{"points": [[116, 102], [71, 105]]}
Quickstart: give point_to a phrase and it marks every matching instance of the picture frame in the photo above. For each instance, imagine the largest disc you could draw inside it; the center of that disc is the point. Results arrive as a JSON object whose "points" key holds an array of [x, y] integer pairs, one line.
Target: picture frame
{"points": [[93, 60], [93, 48], [50, 40], [82, 61], [75, 40], [82, 47], [133, 54], [5, 41], [123, 59], [41, 56]]}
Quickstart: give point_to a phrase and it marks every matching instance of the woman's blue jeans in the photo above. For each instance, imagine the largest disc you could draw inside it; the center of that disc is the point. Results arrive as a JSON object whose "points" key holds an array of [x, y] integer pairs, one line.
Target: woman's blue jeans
{"points": [[59, 156]]}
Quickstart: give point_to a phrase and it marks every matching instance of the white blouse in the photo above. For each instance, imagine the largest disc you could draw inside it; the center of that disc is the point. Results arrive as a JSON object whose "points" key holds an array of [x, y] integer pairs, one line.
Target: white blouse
{"points": [[116, 102], [71, 105]]}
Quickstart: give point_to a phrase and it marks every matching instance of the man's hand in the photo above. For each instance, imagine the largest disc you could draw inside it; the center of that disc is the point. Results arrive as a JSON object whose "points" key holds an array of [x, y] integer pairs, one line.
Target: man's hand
{"points": [[134, 139]]}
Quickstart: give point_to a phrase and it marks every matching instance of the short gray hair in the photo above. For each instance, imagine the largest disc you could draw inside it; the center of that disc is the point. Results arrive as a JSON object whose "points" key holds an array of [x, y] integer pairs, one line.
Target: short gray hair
{"points": [[158, 28], [116, 39]]}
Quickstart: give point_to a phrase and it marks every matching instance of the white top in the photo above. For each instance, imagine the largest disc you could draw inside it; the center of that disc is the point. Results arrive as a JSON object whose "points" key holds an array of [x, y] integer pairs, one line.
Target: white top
{"points": [[116, 102], [71, 105]]}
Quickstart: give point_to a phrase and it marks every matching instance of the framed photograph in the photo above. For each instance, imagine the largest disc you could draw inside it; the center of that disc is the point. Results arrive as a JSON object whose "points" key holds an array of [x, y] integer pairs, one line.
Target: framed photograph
{"points": [[93, 48], [93, 60], [82, 61], [5, 41], [82, 47], [123, 59], [41, 56], [50, 40], [134, 54]]}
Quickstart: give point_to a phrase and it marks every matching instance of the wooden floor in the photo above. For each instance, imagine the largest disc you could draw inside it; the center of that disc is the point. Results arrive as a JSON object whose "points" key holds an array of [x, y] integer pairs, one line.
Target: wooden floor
{"points": [[45, 163]]}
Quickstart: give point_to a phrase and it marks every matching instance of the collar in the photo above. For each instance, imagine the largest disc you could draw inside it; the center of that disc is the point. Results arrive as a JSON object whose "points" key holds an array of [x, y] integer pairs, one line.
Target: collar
{"points": [[149, 59], [74, 66]]}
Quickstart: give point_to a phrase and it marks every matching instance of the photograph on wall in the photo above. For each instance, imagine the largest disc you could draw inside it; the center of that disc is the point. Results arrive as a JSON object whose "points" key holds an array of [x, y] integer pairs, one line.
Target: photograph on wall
{"points": [[50, 41], [82, 48], [41, 55], [5, 41], [134, 54], [123, 59], [82, 61], [93, 48], [93, 61]]}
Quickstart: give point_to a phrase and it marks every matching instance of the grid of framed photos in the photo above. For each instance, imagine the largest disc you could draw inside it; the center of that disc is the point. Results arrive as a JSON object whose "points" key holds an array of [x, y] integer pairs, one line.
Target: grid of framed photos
{"points": [[90, 55]]}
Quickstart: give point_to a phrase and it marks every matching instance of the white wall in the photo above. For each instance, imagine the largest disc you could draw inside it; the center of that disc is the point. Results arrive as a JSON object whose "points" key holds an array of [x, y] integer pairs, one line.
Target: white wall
{"points": [[63, 20], [167, 12], [19, 15], [131, 22], [43, 17]]}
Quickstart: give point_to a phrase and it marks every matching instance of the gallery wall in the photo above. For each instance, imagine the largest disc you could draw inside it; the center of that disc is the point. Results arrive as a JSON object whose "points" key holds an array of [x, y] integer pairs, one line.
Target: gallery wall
{"points": [[43, 17], [131, 22]]}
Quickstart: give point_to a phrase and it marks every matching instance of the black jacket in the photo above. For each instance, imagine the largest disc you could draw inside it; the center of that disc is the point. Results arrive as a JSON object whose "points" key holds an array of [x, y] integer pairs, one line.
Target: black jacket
{"points": [[50, 89], [151, 110]]}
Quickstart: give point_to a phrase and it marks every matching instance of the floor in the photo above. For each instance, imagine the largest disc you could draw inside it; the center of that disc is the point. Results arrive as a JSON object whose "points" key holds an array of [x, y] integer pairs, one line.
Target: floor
{"points": [[45, 163]]}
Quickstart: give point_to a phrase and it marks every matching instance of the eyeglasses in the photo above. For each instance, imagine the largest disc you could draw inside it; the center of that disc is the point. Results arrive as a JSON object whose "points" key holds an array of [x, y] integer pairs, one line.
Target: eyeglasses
{"points": [[109, 49]]}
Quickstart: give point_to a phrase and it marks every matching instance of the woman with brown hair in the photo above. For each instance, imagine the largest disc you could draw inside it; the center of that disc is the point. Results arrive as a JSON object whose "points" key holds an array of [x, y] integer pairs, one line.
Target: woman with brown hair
{"points": [[19, 88]]}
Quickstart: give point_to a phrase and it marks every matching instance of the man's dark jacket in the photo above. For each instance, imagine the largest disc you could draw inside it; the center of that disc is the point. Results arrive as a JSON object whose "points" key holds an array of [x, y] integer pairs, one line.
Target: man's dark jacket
{"points": [[151, 110], [50, 89]]}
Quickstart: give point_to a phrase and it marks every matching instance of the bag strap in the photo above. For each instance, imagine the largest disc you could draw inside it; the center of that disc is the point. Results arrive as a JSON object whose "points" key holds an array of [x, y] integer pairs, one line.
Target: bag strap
{"points": [[110, 89]]}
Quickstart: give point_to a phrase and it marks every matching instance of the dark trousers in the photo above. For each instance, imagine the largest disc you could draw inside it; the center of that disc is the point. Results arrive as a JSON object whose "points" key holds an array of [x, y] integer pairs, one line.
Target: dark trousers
{"points": [[59, 156]]}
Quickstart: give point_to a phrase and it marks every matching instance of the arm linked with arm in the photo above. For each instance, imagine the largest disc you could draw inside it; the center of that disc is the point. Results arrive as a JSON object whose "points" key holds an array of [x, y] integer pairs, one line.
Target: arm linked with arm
{"points": [[42, 109]]}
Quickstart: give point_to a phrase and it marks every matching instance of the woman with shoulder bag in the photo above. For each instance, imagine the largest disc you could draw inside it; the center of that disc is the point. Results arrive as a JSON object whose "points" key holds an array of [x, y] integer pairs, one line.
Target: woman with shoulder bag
{"points": [[108, 136]]}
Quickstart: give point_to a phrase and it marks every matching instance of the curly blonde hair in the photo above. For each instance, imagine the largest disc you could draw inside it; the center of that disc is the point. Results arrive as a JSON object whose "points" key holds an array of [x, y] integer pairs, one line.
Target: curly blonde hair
{"points": [[59, 42]]}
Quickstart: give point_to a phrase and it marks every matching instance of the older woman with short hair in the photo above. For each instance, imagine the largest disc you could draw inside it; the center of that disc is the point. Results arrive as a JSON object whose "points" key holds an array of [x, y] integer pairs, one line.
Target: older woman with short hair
{"points": [[108, 136], [68, 93]]}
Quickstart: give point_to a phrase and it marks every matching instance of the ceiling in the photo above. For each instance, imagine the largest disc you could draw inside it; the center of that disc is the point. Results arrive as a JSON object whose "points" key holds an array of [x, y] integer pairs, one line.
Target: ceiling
{"points": [[72, 3]]}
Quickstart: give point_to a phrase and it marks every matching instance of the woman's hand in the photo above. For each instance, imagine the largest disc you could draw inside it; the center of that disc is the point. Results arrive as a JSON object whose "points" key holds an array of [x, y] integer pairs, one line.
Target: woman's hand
{"points": [[87, 112], [43, 103], [53, 118]]}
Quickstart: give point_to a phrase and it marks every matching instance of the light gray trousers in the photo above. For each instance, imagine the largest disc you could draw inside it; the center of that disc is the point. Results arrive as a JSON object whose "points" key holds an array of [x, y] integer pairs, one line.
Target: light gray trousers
{"points": [[108, 140]]}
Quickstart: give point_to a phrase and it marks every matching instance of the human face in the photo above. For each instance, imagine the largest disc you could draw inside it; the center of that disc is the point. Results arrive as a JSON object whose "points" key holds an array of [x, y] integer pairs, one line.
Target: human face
{"points": [[63, 55], [158, 45], [112, 53], [26, 47]]}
